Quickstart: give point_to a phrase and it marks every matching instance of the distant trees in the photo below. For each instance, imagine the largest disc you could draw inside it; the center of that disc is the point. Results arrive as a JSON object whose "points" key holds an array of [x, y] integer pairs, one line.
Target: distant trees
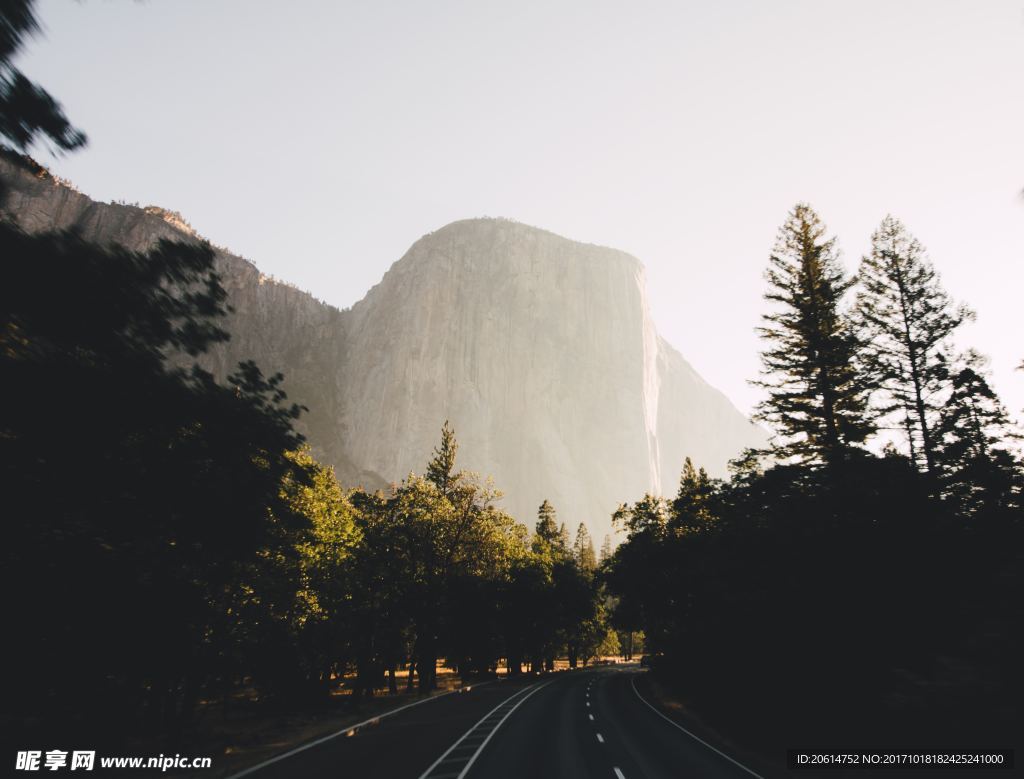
{"points": [[449, 550], [817, 393], [583, 550], [567, 617]]}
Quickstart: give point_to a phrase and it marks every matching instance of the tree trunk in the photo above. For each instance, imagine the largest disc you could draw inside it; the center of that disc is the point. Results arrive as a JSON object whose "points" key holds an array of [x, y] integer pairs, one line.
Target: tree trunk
{"points": [[427, 664]]}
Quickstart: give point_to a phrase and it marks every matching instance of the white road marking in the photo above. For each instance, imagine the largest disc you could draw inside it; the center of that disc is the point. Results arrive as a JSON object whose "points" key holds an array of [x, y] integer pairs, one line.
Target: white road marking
{"points": [[494, 729], [618, 773], [591, 717], [588, 704], [347, 731], [675, 724], [600, 738]]}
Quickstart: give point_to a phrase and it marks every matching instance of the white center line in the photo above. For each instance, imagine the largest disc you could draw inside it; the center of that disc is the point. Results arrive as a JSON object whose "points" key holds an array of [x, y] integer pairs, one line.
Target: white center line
{"points": [[588, 703], [591, 717], [619, 773], [600, 738]]}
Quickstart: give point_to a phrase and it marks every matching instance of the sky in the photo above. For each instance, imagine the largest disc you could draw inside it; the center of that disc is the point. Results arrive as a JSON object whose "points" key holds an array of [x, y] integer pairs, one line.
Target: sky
{"points": [[320, 140]]}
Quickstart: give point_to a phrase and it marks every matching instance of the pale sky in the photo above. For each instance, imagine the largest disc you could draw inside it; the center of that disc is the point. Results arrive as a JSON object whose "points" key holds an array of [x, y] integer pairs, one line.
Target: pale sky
{"points": [[321, 139]]}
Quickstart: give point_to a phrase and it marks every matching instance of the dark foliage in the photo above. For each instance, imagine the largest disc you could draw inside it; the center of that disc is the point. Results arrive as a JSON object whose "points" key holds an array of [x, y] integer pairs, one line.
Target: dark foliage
{"points": [[139, 496], [874, 612], [874, 600], [27, 111]]}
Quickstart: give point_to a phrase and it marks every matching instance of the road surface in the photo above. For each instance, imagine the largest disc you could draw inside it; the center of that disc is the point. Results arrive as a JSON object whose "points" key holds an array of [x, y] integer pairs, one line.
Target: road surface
{"points": [[575, 724], [595, 724]]}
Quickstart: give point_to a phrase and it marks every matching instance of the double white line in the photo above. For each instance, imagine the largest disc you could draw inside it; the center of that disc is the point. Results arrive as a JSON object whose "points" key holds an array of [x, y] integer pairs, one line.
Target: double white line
{"points": [[457, 766]]}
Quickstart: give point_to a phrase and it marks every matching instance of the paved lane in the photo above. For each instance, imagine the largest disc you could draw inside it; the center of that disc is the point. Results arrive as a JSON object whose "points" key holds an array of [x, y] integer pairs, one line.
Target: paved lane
{"points": [[594, 724], [401, 746]]}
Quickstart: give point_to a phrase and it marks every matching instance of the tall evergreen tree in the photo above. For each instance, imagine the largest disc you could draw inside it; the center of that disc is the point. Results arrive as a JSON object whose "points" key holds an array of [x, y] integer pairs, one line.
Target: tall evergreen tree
{"points": [[547, 538], [441, 468], [583, 550], [906, 317], [564, 542], [547, 525], [817, 392], [606, 549]]}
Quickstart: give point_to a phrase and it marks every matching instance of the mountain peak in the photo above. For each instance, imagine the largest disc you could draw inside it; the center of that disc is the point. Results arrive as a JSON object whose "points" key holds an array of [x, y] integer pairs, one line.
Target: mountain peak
{"points": [[539, 349]]}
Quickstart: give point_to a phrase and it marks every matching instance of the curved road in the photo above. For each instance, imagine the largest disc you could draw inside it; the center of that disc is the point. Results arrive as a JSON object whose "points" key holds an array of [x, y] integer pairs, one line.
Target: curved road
{"points": [[578, 724], [595, 724]]}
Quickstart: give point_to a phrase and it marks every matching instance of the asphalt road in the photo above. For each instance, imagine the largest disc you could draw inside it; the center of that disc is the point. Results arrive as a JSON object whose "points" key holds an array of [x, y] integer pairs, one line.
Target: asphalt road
{"points": [[575, 724], [595, 724], [399, 746]]}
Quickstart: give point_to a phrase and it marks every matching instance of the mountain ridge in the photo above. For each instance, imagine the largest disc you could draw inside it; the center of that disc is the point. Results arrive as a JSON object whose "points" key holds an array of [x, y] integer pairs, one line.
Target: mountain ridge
{"points": [[540, 350]]}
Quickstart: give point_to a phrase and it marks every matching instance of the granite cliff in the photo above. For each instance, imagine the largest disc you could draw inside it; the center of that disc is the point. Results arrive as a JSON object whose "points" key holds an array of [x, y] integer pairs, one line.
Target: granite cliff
{"points": [[540, 350]]}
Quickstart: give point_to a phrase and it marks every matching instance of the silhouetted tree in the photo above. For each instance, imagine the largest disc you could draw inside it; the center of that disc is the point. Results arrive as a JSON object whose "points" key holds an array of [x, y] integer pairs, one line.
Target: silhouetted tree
{"points": [[27, 111], [871, 590], [907, 317], [153, 489], [817, 393], [978, 470]]}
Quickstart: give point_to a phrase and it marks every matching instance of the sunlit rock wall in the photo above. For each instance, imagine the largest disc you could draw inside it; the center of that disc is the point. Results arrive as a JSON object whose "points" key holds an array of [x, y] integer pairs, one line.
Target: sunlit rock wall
{"points": [[539, 350]]}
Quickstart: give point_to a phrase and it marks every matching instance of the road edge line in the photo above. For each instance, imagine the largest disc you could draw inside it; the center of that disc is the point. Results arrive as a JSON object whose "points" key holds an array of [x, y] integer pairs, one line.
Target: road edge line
{"points": [[694, 736], [316, 742]]}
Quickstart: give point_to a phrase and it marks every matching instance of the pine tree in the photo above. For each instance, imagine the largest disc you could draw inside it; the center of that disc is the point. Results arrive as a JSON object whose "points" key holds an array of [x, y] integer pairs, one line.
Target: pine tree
{"points": [[817, 393], [977, 469], [583, 550], [546, 538], [606, 548], [692, 509], [906, 317], [440, 470], [564, 543]]}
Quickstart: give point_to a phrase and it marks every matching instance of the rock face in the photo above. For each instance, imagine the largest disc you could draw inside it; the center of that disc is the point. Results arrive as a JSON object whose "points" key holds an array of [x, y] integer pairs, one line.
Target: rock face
{"points": [[539, 350]]}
